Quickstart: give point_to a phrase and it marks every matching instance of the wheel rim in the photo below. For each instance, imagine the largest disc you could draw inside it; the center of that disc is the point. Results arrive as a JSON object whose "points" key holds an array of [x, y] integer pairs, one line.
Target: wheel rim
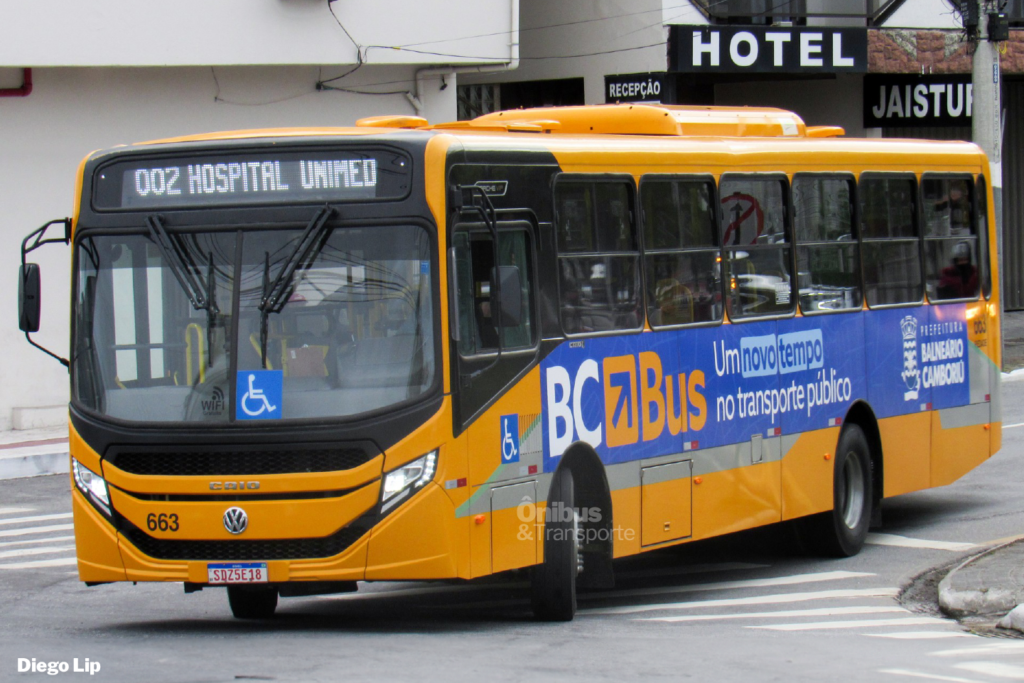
{"points": [[853, 490]]}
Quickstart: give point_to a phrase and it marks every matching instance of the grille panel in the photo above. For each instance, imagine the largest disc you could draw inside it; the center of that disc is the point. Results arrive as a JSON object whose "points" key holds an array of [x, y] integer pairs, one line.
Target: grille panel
{"points": [[237, 463], [243, 550]]}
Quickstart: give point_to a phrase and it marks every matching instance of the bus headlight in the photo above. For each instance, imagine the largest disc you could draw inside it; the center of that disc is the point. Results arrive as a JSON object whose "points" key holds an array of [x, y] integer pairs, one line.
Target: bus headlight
{"points": [[92, 485], [408, 479]]}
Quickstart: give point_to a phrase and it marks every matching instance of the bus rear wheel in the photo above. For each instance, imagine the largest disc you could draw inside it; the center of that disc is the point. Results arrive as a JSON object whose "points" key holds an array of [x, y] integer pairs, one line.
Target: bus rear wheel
{"points": [[250, 602], [553, 582], [842, 531]]}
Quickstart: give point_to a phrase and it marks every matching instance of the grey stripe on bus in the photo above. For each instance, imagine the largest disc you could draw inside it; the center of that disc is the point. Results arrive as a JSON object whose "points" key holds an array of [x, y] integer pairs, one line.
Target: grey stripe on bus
{"points": [[704, 461]]}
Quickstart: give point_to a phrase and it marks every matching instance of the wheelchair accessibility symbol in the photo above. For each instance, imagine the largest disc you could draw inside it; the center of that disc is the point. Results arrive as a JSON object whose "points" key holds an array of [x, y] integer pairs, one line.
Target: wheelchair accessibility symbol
{"points": [[509, 438], [259, 395]]}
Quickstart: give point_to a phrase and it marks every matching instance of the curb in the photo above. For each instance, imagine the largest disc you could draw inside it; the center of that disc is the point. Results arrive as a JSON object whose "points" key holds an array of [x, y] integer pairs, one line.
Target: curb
{"points": [[984, 602], [34, 465]]}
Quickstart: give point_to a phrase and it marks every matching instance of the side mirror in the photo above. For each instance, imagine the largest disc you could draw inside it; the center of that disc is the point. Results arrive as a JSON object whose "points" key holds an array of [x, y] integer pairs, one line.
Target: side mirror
{"points": [[29, 300], [511, 295]]}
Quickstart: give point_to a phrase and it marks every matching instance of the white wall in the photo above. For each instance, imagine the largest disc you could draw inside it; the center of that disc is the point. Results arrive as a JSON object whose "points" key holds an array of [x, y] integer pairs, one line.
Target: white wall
{"points": [[925, 14], [627, 35], [200, 32], [72, 112]]}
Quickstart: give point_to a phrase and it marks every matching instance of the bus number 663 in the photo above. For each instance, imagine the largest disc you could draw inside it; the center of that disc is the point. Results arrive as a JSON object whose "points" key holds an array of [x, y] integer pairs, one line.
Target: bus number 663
{"points": [[162, 522]]}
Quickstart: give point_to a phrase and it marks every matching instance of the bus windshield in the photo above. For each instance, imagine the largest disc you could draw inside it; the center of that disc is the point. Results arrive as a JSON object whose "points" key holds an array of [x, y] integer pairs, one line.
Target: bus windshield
{"points": [[163, 328]]}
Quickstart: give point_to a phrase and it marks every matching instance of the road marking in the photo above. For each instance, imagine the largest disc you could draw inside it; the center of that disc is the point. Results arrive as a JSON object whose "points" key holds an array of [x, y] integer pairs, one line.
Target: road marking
{"points": [[922, 635], [902, 621], [428, 590], [35, 551], [907, 542], [998, 669], [922, 674], [774, 599], [794, 580], [990, 649], [32, 541], [692, 569], [1013, 426], [820, 612], [11, 511], [63, 562], [36, 518], [36, 530]]}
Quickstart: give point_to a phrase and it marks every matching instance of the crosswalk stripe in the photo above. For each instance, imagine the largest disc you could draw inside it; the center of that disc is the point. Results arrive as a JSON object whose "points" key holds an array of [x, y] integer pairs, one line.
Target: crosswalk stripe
{"points": [[37, 564], [35, 551], [33, 541], [922, 635], [691, 569], [856, 623], [36, 530], [774, 599], [931, 677], [998, 669], [820, 612], [907, 542], [36, 518], [792, 580], [11, 511], [981, 650]]}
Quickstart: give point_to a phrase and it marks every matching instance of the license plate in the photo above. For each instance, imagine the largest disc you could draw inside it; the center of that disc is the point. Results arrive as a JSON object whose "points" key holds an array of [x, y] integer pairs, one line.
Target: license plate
{"points": [[237, 572]]}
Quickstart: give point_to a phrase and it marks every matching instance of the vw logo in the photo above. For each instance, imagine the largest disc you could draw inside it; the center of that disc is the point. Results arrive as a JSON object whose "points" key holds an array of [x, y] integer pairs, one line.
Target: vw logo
{"points": [[235, 520]]}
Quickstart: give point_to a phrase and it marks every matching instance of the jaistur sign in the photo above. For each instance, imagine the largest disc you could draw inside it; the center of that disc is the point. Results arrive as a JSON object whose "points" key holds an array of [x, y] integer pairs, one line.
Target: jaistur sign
{"points": [[739, 49], [910, 100]]}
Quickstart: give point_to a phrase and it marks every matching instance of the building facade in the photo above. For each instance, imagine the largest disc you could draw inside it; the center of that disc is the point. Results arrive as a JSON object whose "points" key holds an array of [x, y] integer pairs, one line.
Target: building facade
{"points": [[75, 77]]}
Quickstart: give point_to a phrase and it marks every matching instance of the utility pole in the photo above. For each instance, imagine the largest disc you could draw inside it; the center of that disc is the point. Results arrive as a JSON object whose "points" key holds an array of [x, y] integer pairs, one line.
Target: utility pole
{"points": [[987, 112]]}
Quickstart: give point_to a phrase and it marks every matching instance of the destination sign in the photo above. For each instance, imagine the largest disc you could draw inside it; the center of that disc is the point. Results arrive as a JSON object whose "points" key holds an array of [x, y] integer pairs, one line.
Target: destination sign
{"points": [[315, 176]]}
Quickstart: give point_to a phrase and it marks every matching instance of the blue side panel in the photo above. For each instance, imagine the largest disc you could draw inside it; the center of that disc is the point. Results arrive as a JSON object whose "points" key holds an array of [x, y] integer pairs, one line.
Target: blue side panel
{"points": [[644, 395], [945, 366], [829, 384]]}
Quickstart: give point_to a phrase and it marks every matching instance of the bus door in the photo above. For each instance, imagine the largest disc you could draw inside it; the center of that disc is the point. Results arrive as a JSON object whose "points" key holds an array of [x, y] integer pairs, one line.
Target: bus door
{"points": [[497, 403]]}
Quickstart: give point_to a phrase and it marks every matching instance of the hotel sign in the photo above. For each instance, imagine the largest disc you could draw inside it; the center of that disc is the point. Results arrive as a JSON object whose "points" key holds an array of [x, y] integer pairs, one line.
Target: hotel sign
{"points": [[767, 49]]}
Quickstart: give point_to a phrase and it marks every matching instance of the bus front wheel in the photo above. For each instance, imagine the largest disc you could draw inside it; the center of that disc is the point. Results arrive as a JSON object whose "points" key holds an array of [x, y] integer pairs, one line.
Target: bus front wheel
{"points": [[252, 602], [553, 582], [842, 531]]}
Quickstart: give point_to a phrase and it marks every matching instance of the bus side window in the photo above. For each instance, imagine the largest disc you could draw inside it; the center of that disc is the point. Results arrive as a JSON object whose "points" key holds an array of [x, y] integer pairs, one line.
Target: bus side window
{"points": [[758, 251], [682, 259], [892, 250], [828, 259], [981, 226], [598, 259], [951, 243], [474, 256]]}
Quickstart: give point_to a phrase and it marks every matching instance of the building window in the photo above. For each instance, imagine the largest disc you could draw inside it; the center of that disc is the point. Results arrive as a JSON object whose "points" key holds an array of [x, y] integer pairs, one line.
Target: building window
{"points": [[477, 100]]}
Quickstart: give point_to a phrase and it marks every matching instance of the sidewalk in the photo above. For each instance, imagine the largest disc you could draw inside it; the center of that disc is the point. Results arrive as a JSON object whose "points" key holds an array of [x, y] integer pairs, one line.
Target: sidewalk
{"points": [[33, 452], [988, 584]]}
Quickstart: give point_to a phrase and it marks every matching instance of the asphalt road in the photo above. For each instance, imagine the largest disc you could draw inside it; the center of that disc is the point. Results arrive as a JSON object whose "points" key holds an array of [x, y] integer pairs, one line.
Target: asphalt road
{"points": [[749, 607]]}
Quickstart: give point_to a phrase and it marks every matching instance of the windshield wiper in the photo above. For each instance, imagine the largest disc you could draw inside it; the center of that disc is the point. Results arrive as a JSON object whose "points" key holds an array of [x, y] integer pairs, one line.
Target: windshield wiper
{"points": [[276, 293], [202, 295]]}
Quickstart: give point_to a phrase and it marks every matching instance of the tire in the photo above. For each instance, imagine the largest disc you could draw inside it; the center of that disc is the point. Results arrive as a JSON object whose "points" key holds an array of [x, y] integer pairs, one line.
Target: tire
{"points": [[553, 582], [252, 603], [841, 531]]}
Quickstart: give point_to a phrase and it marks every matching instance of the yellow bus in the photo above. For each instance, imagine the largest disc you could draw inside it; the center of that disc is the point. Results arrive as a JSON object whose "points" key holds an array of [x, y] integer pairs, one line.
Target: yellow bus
{"points": [[541, 339]]}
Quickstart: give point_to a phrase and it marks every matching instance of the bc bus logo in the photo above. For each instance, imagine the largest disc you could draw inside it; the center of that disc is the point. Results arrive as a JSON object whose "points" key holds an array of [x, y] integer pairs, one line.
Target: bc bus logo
{"points": [[509, 438], [259, 395], [911, 372]]}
